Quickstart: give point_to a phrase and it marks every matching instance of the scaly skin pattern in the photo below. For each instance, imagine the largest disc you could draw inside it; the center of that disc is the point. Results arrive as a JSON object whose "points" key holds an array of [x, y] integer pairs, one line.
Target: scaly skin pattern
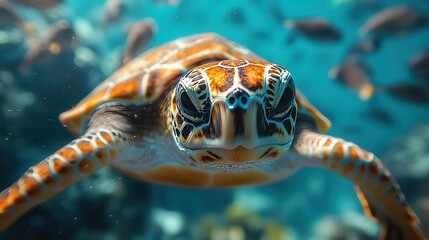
{"points": [[377, 190], [70, 164]]}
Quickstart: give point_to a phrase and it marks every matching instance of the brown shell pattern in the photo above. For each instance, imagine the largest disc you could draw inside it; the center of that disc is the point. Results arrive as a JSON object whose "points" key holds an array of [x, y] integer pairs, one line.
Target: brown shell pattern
{"points": [[144, 79]]}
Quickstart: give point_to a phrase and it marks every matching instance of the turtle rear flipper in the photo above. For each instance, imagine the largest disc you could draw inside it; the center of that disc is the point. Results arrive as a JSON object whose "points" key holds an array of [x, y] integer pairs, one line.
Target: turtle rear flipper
{"points": [[70, 164], [378, 191]]}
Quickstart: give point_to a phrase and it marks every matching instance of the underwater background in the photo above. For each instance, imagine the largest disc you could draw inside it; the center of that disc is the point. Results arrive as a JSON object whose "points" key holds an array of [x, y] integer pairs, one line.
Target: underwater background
{"points": [[312, 204]]}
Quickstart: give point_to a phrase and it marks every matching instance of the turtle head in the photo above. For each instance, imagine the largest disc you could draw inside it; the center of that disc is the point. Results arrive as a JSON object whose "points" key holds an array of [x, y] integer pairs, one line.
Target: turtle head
{"points": [[234, 111]]}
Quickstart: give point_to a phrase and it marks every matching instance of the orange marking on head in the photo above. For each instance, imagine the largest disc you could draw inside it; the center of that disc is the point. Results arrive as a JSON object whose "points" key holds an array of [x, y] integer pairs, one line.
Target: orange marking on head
{"points": [[354, 153], [338, 152], [220, 79], [86, 147], [69, 154], [102, 156], [86, 166], [252, 77], [42, 169], [31, 187], [62, 168]]}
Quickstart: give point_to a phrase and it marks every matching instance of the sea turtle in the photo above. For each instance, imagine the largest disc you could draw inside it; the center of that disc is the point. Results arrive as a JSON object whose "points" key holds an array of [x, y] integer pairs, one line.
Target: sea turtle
{"points": [[203, 111]]}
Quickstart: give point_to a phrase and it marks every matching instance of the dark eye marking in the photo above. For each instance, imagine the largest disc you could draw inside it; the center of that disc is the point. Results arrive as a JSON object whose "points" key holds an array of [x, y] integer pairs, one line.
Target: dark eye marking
{"points": [[285, 101], [187, 104]]}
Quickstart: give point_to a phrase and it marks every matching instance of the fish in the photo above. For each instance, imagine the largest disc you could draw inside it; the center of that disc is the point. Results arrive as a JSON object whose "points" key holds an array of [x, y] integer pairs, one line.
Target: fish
{"points": [[60, 37], [316, 28], [9, 18], [139, 38], [394, 21], [419, 65], [412, 93], [355, 75], [39, 4], [113, 11]]}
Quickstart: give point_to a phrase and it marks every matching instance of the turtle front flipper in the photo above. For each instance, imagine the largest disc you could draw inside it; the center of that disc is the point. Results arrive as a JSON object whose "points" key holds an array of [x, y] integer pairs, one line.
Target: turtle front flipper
{"points": [[377, 190], [70, 164]]}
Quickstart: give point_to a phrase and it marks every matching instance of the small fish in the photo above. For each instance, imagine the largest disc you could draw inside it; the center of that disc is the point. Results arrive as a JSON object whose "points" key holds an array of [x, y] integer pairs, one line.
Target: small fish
{"points": [[40, 4], [113, 11], [139, 38], [9, 18], [419, 65], [394, 21], [317, 28], [60, 37], [409, 92], [354, 75]]}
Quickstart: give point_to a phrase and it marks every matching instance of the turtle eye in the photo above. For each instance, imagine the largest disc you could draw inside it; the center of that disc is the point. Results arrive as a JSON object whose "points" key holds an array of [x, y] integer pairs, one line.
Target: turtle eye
{"points": [[187, 106], [285, 102]]}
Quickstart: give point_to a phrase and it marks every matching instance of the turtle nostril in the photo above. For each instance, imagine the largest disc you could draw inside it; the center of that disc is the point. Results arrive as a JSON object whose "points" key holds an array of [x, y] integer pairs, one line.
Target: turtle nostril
{"points": [[244, 100], [231, 100]]}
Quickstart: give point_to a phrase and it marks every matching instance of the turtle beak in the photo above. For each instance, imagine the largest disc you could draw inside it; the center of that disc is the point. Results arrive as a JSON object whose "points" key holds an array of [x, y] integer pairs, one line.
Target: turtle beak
{"points": [[239, 123]]}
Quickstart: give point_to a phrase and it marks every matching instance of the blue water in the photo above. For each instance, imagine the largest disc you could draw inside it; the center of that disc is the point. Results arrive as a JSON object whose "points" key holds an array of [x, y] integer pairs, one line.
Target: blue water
{"points": [[110, 205]]}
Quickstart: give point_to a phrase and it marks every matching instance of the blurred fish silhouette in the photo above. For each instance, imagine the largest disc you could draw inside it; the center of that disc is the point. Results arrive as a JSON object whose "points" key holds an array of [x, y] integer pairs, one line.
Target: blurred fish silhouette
{"points": [[113, 11], [408, 92], [394, 21], [139, 38], [40, 4], [419, 65], [365, 45], [60, 37], [9, 18], [379, 114], [317, 28], [355, 75]]}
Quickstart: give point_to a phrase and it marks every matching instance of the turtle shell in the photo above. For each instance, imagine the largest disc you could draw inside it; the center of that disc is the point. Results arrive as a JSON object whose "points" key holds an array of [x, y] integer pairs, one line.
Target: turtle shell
{"points": [[147, 77]]}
